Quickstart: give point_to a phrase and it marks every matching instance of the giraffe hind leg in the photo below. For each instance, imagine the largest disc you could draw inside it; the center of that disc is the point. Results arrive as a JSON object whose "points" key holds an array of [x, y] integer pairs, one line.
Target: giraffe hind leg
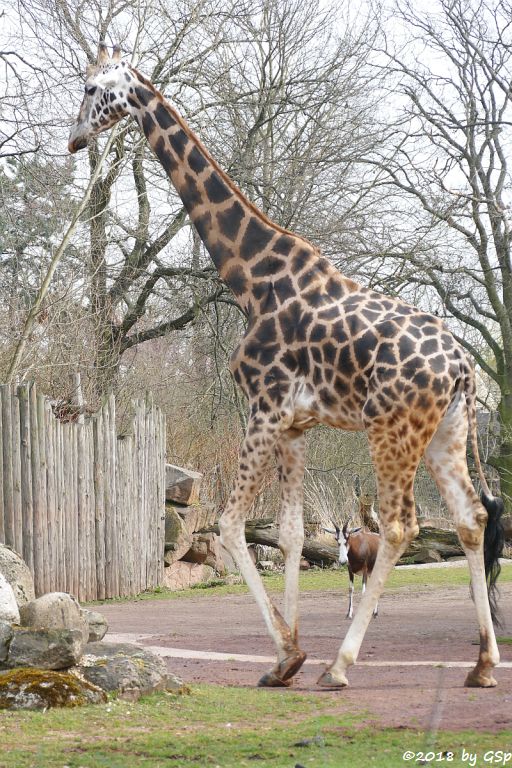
{"points": [[446, 460]]}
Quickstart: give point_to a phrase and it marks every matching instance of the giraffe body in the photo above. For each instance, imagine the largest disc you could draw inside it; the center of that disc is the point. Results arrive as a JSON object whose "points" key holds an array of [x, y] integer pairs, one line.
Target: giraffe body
{"points": [[319, 349]]}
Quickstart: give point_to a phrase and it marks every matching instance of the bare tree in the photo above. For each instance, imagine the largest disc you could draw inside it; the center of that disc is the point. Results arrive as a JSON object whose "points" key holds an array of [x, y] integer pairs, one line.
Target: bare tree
{"points": [[447, 177]]}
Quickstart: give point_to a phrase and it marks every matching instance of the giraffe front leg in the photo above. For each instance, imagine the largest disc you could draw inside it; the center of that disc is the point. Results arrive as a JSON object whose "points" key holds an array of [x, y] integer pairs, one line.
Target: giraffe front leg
{"points": [[388, 555], [256, 451], [395, 480]]}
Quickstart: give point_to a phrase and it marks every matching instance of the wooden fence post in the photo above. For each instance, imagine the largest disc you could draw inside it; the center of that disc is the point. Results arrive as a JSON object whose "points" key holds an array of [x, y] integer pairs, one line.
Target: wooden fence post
{"points": [[83, 507]]}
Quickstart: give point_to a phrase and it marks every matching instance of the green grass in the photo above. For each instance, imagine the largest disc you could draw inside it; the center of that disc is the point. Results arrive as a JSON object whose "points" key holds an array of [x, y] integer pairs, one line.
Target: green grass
{"points": [[332, 579], [225, 727]]}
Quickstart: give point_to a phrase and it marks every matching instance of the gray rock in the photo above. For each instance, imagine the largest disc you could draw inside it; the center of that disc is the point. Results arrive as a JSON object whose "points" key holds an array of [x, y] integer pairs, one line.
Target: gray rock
{"points": [[182, 575], [182, 485], [18, 575], [8, 605], [6, 633], [129, 669], [178, 539], [97, 623], [55, 610], [45, 648], [38, 689]]}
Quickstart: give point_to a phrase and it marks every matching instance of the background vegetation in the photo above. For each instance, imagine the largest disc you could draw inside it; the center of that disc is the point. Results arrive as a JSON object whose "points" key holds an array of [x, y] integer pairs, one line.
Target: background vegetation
{"points": [[379, 132]]}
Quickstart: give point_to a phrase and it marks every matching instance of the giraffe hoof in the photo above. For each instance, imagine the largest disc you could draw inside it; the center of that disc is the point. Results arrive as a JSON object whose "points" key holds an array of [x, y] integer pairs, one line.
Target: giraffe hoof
{"points": [[476, 679], [271, 680], [327, 680], [283, 672]]}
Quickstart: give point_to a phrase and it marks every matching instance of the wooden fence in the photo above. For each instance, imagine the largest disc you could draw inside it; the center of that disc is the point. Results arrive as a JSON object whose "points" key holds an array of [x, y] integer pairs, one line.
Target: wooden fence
{"points": [[83, 506]]}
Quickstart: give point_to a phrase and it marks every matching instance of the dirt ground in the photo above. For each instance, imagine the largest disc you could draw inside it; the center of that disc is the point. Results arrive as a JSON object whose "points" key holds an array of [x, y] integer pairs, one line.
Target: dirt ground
{"points": [[433, 626]]}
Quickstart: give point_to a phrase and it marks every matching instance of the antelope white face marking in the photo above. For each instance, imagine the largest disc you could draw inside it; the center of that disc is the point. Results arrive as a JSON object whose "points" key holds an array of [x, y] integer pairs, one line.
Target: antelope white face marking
{"points": [[343, 554]]}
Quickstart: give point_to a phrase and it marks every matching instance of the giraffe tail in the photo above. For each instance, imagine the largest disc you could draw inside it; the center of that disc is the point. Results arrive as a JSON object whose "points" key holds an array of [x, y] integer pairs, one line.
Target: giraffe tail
{"points": [[494, 538]]}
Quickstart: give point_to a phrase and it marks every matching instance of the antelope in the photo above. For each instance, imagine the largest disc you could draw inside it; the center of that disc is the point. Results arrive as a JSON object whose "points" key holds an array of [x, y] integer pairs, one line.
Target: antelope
{"points": [[358, 549]]}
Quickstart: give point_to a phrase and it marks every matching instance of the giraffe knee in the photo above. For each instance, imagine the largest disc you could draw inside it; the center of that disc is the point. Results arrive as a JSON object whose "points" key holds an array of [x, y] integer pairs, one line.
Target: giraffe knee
{"points": [[411, 532], [291, 543], [394, 533], [230, 530], [471, 531], [472, 538]]}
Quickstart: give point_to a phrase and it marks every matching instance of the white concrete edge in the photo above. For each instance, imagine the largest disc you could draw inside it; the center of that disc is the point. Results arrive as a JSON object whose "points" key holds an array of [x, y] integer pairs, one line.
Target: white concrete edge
{"points": [[184, 653]]}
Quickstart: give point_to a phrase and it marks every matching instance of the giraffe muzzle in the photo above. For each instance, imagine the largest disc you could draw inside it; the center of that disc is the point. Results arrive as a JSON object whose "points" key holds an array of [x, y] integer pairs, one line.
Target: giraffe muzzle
{"points": [[76, 143]]}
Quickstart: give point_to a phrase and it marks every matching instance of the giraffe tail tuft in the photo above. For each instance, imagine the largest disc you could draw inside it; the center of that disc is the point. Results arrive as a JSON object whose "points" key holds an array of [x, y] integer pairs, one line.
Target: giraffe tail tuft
{"points": [[494, 540]]}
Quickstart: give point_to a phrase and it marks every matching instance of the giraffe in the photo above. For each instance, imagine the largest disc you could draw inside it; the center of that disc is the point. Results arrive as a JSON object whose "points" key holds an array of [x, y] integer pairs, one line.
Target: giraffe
{"points": [[319, 349]]}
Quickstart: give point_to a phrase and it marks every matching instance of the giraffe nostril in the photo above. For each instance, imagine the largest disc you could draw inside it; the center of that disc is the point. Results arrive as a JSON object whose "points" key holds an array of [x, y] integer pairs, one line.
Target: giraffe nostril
{"points": [[76, 144]]}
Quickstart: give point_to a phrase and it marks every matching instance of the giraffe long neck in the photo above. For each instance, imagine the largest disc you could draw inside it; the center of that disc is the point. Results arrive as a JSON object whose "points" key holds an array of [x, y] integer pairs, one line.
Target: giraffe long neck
{"points": [[246, 247]]}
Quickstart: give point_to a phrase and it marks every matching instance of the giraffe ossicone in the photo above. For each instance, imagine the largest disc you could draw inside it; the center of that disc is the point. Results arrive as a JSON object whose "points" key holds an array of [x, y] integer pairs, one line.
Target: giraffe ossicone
{"points": [[319, 349]]}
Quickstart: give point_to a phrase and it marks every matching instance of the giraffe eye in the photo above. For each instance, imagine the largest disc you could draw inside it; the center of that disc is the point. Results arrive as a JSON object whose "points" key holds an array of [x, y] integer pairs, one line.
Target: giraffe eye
{"points": [[90, 90]]}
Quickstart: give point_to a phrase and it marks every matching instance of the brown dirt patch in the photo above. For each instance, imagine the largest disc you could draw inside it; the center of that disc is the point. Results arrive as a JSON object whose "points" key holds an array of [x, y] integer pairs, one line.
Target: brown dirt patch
{"points": [[421, 625]]}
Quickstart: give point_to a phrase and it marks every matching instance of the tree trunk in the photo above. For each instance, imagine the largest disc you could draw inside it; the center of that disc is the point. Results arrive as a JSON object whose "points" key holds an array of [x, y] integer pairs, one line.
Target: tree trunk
{"points": [[445, 543], [503, 460], [107, 356]]}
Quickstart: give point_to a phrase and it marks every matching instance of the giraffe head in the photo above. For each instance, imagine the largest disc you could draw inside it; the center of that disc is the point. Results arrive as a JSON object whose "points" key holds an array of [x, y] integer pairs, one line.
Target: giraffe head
{"points": [[105, 100]]}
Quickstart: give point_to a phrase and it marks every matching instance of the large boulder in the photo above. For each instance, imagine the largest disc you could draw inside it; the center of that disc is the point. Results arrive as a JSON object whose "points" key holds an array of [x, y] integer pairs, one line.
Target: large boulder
{"points": [[130, 670], [38, 689], [55, 610], [206, 548], [178, 538], [97, 624], [199, 516], [8, 605], [44, 648], [6, 634], [183, 575], [182, 485], [17, 573]]}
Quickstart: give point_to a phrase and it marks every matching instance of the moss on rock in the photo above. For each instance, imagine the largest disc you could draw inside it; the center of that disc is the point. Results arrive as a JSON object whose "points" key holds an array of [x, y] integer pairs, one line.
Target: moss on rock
{"points": [[27, 688]]}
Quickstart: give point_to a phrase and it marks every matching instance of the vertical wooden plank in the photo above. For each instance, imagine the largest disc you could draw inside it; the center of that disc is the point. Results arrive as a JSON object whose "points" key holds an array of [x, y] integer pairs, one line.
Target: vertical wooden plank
{"points": [[2, 437], [86, 556], [141, 490], [38, 530], [161, 497], [93, 589], [41, 432], [67, 516], [74, 508], [111, 548], [114, 528], [27, 512], [135, 492], [147, 500], [51, 510], [81, 554], [7, 465], [151, 498], [99, 503], [61, 506], [108, 490], [121, 514], [16, 473]]}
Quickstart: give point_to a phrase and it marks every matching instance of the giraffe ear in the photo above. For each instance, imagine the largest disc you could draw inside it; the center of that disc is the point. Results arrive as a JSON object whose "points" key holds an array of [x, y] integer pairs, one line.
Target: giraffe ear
{"points": [[116, 55], [102, 54]]}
